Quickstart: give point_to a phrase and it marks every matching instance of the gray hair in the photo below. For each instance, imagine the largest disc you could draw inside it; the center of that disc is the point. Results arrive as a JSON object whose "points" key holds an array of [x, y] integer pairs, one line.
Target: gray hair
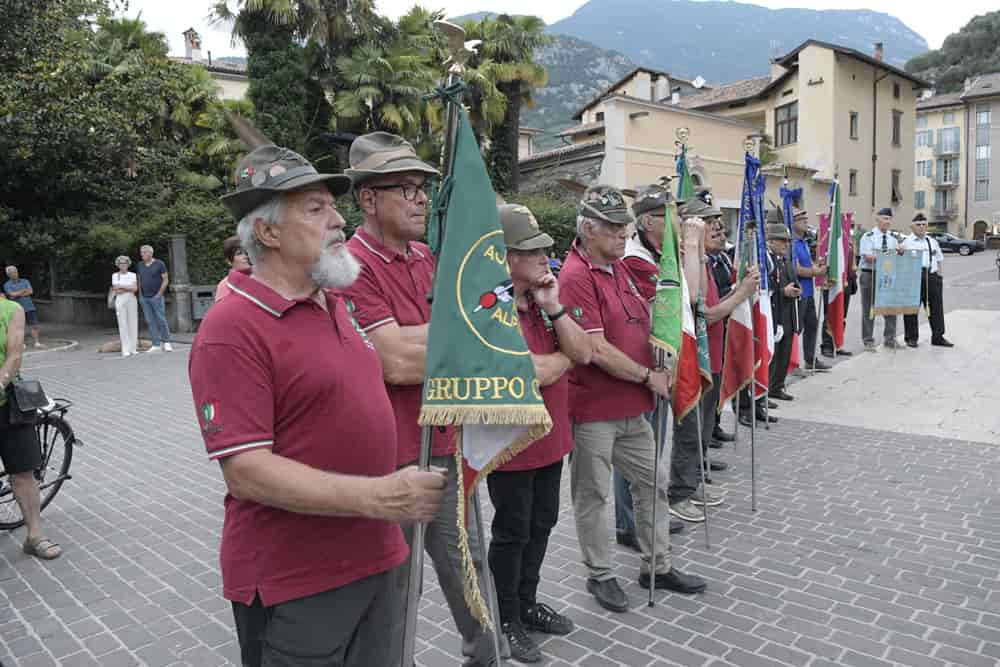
{"points": [[270, 212], [582, 220], [146, 247], [122, 258], [9, 269]]}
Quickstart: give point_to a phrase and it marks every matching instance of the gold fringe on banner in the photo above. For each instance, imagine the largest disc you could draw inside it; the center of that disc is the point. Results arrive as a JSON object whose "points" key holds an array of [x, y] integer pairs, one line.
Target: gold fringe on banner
{"points": [[456, 415], [908, 310]]}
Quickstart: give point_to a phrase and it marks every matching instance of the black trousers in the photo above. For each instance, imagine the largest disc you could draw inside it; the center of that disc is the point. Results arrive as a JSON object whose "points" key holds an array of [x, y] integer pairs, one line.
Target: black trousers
{"points": [[777, 371], [343, 627], [527, 508], [932, 297], [810, 328], [684, 474], [827, 337]]}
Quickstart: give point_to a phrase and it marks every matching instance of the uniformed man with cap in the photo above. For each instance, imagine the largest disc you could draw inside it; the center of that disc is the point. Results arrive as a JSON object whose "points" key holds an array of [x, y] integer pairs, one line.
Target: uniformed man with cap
{"points": [[525, 491], [785, 290], [285, 388], [390, 303], [931, 284], [609, 397], [642, 257], [877, 241]]}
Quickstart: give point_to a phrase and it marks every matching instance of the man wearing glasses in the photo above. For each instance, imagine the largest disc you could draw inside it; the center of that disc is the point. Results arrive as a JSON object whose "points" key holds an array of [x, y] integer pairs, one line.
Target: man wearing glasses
{"points": [[609, 397], [390, 302], [931, 284]]}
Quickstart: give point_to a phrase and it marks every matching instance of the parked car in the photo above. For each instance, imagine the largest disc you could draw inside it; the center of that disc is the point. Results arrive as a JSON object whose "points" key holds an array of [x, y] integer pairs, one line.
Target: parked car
{"points": [[951, 243]]}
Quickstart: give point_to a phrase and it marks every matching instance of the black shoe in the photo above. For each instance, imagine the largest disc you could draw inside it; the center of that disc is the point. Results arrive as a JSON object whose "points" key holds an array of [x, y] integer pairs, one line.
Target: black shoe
{"points": [[608, 594], [721, 436], [718, 466], [676, 526], [627, 540], [522, 647], [540, 617], [941, 342], [844, 353], [817, 365], [781, 395], [761, 417], [745, 420], [676, 581], [827, 352], [912, 343], [714, 444]]}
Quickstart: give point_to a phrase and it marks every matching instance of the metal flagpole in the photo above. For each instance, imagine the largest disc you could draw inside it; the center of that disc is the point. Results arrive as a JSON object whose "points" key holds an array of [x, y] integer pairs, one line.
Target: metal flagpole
{"points": [[458, 54], [489, 589], [658, 439], [751, 230], [701, 466]]}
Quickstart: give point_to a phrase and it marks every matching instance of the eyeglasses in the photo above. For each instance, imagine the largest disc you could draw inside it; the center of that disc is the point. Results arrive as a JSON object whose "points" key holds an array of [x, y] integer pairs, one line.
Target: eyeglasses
{"points": [[409, 189], [919, 224]]}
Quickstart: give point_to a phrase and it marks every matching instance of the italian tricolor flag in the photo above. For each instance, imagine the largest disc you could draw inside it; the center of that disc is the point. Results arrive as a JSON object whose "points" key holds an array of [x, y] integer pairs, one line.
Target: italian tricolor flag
{"points": [[836, 270], [688, 382]]}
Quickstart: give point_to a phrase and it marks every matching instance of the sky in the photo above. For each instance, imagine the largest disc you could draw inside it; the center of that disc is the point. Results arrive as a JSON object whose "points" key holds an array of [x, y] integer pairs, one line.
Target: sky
{"points": [[934, 21]]}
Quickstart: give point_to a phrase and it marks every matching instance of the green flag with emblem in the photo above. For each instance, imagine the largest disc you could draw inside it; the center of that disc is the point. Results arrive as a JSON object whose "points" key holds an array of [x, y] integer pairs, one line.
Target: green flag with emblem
{"points": [[666, 334], [479, 375]]}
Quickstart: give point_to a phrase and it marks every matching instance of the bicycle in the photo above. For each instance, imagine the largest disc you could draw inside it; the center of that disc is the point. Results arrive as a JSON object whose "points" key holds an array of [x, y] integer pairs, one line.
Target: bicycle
{"points": [[57, 439]]}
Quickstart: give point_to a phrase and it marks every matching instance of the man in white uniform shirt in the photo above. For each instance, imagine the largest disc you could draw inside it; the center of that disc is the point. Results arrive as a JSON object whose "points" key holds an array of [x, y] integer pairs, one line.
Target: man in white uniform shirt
{"points": [[931, 284], [878, 241]]}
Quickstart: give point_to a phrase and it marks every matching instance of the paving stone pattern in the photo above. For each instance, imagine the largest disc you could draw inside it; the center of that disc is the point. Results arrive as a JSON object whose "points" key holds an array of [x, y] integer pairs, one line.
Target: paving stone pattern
{"points": [[868, 548]]}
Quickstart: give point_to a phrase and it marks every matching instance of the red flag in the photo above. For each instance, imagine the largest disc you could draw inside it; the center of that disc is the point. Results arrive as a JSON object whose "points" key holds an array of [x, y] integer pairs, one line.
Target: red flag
{"points": [[738, 364], [688, 381]]}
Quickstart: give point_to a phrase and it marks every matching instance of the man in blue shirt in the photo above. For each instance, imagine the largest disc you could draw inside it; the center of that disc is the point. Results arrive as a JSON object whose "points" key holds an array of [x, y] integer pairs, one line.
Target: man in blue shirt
{"points": [[153, 280], [19, 289], [806, 271]]}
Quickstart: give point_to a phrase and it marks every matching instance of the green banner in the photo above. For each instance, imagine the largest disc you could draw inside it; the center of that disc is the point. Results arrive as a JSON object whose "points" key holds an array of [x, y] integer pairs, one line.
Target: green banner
{"points": [[666, 334]]}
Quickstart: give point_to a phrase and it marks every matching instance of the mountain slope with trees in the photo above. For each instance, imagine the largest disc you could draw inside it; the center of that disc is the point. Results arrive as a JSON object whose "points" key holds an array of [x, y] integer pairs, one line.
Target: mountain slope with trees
{"points": [[973, 50]]}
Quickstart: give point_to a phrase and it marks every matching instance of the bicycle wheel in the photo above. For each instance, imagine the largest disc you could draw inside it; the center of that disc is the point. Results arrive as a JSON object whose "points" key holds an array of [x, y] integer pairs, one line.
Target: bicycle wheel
{"points": [[56, 438]]}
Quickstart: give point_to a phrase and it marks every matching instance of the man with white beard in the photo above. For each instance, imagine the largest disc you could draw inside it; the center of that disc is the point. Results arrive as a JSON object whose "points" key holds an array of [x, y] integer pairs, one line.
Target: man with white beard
{"points": [[290, 402], [390, 300]]}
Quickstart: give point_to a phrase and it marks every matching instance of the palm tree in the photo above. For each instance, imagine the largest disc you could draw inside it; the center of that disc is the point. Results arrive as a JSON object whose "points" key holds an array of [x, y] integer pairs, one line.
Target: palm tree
{"points": [[510, 43], [124, 45]]}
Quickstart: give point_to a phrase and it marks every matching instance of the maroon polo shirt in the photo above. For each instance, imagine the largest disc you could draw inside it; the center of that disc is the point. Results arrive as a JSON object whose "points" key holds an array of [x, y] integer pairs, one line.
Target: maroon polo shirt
{"points": [[645, 274], [291, 377], [393, 287], [606, 300], [541, 338]]}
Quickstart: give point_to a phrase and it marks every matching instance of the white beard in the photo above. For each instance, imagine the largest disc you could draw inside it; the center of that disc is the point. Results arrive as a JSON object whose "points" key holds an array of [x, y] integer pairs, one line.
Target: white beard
{"points": [[335, 270]]}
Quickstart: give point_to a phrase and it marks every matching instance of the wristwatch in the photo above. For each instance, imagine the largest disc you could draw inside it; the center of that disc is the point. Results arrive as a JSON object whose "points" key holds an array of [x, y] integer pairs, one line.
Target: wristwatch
{"points": [[557, 315]]}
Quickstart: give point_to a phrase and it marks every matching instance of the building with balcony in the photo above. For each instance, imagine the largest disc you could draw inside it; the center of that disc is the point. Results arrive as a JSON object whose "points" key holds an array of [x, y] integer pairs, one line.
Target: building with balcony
{"points": [[230, 78], [834, 111], [938, 183]]}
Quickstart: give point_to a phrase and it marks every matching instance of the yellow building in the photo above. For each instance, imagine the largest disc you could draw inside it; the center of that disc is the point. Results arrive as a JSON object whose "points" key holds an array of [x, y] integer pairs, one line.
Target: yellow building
{"points": [[838, 112], [231, 79]]}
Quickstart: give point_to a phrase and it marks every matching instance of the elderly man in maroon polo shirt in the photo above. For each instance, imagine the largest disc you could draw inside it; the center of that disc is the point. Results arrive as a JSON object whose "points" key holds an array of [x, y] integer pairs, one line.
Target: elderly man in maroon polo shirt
{"points": [[525, 491], [289, 402], [609, 397], [390, 301]]}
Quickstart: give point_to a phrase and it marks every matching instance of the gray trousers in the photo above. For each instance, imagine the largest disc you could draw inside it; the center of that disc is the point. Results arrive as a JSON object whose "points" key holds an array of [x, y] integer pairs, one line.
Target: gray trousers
{"points": [[343, 627], [441, 544], [685, 478], [867, 321], [628, 445]]}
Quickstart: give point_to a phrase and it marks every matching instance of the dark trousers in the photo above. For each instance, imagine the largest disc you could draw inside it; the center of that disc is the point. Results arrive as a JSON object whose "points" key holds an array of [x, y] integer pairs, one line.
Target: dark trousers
{"points": [[810, 328], [827, 337], [931, 297], [777, 371], [527, 508], [684, 474], [343, 627]]}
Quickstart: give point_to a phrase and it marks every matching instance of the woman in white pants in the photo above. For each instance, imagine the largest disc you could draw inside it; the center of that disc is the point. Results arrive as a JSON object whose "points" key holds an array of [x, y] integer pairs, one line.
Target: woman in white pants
{"points": [[125, 286]]}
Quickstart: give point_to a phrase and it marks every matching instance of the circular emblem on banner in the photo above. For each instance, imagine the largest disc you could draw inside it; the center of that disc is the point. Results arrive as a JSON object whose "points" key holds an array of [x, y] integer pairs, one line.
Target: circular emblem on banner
{"points": [[486, 296]]}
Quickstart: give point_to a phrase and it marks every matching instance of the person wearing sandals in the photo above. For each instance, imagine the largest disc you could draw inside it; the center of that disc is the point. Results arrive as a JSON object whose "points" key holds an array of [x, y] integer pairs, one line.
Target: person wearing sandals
{"points": [[20, 451], [125, 284], [525, 491]]}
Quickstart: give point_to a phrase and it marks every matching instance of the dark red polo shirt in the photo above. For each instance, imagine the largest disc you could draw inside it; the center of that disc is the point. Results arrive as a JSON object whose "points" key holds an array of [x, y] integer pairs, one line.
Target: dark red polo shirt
{"points": [[393, 287], [606, 299], [645, 274], [291, 377], [541, 339]]}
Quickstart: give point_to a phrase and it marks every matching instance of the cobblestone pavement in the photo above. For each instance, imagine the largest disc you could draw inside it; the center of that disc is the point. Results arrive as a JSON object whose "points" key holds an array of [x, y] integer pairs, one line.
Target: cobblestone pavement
{"points": [[868, 548]]}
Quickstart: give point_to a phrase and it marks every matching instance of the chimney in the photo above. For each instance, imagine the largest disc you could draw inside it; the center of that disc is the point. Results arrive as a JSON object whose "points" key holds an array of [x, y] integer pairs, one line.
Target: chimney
{"points": [[879, 51], [209, 58], [675, 96], [192, 45]]}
